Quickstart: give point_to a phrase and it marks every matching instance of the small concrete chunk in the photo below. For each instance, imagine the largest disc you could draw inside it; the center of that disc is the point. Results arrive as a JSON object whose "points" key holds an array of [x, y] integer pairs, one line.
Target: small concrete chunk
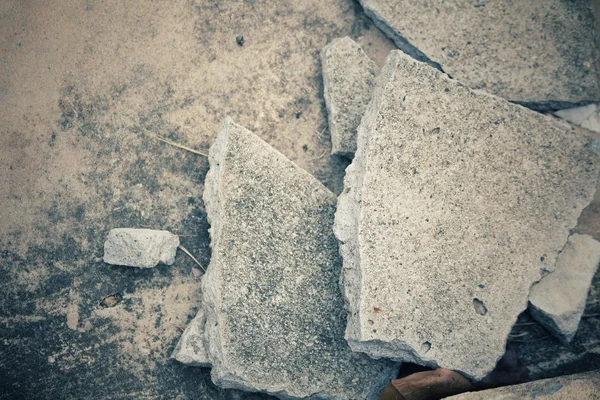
{"points": [[543, 51], [585, 386], [348, 80], [454, 202], [275, 314], [142, 248], [191, 348], [587, 117], [558, 300]]}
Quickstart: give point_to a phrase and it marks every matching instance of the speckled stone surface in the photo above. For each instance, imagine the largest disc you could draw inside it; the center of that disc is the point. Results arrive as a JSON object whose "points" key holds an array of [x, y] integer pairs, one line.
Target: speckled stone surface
{"points": [[142, 248], [275, 315], [558, 300], [542, 52], [454, 203], [584, 386], [348, 83]]}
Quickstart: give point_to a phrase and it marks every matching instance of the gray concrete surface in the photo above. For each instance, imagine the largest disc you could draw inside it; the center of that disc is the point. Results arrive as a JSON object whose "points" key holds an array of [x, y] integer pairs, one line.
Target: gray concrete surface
{"points": [[142, 248], [348, 83], [558, 300], [454, 202], [542, 53], [274, 311], [581, 387]]}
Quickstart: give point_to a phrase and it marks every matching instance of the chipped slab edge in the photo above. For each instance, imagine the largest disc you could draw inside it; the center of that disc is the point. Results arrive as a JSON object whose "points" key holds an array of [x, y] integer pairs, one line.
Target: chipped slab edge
{"points": [[561, 326]]}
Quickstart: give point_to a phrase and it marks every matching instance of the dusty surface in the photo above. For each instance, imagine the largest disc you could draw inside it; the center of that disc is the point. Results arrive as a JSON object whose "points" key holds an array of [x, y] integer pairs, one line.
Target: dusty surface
{"points": [[79, 81], [454, 203], [82, 84]]}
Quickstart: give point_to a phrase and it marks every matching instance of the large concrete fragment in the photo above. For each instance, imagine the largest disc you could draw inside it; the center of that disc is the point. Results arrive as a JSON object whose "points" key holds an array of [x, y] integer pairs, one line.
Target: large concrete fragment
{"points": [[454, 203], [348, 80], [585, 386], [275, 314], [142, 248], [543, 51], [558, 300]]}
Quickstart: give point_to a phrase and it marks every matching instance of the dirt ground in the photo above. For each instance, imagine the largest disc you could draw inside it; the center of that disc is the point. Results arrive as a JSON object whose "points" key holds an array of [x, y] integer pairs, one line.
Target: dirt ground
{"points": [[84, 84]]}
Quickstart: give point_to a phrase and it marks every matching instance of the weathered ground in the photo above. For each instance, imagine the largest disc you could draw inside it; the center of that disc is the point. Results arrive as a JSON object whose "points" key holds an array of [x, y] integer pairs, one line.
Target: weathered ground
{"points": [[82, 82]]}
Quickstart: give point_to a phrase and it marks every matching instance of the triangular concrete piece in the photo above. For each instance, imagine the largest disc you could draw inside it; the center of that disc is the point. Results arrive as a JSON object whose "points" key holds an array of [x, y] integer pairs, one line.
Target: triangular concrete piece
{"points": [[543, 51], [191, 348], [275, 314], [453, 204], [348, 83], [558, 300]]}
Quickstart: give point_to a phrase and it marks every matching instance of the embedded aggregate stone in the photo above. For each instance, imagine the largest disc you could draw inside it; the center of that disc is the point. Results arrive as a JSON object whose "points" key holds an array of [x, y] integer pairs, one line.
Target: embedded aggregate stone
{"points": [[454, 203], [275, 314], [142, 248], [558, 300], [542, 53], [348, 80]]}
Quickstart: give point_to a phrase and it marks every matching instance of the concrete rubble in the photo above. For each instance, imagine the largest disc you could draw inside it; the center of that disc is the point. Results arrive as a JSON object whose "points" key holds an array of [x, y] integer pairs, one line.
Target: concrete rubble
{"points": [[275, 314], [558, 300], [454, 203], [541, 52], [191, 348], [142, 248], [585, 386], [348, 80], [587, 117]]}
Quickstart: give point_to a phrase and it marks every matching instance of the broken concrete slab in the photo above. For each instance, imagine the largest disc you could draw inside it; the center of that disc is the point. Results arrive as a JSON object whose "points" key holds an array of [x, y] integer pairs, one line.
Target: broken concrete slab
{"points": [[585, 386], [587, 117], [142, 248], [348, 80], [454, 202], [543, 53], [558, 300], [191, 348], [275, 314]]}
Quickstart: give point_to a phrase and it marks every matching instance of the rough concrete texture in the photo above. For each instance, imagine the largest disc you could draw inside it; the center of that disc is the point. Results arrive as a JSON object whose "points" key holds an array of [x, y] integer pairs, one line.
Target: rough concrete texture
{"points": [[348, 82], [581, 387], [191, 348], [558, 300], [275, 315], [543, 52], [143, 248], [454, 203], [587, 117]]}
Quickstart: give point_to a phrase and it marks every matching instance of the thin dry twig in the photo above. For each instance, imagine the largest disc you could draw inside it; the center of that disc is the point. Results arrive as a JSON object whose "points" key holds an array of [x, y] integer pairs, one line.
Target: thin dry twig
{"points": [[172, 143], [186, 251], [167, 141]]}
